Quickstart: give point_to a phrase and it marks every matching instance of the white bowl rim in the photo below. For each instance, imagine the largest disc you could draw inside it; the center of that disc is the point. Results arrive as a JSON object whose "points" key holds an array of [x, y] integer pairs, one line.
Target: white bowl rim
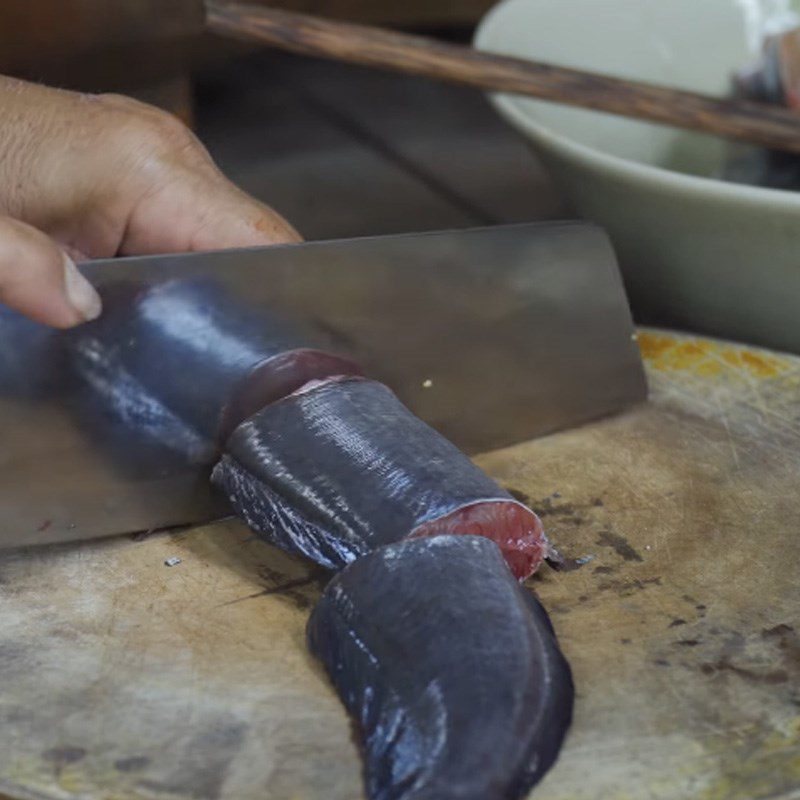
{"points": [[637, 171]]}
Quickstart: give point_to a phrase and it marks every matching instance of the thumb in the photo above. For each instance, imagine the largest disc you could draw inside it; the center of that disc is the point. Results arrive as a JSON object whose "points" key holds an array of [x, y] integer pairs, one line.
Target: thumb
{"points": [[38, 279]]}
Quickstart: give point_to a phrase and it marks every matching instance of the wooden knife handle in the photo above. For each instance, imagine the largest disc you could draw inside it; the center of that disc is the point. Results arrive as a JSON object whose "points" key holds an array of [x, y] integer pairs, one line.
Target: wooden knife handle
{"points": [[374, 47]]}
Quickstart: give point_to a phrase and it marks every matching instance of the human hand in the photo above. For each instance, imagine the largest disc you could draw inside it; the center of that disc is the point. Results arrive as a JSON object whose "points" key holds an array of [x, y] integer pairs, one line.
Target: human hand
{"points": [[95, 176]]}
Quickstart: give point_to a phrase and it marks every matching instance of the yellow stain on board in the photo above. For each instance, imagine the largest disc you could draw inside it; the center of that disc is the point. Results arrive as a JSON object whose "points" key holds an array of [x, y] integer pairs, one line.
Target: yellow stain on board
{"points": [[708, 358]]}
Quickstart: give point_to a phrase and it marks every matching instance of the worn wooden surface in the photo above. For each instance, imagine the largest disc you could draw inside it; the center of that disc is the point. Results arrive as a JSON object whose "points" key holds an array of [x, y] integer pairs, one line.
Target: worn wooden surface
{"points": [[125, 678]]}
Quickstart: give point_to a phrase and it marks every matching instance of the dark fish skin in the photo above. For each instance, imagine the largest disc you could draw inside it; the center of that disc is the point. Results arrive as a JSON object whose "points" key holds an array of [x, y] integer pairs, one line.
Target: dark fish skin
{"points": [[450, 668], [341, 469], [278, 377], [191, 344], [105, 386], [195, 351]]}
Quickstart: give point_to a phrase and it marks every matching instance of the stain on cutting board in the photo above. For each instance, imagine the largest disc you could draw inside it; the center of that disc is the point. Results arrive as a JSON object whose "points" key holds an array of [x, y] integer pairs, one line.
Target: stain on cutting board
{"points": [[124, 678]]}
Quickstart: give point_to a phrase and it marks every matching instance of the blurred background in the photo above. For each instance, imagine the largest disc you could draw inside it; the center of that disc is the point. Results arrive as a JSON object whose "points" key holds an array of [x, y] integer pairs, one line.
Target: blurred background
{"points": [[706, 233], [341, 151]]}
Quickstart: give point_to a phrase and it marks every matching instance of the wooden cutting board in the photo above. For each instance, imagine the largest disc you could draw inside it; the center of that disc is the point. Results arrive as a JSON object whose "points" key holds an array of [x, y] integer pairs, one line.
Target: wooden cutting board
{"points": [[125, 678]]}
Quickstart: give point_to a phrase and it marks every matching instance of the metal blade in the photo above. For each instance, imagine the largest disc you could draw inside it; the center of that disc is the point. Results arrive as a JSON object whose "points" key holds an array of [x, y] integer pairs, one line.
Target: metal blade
{"points": [[492, 336]]}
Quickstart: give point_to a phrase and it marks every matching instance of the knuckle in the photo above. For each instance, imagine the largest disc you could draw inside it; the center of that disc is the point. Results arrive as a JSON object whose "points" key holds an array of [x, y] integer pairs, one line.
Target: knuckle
{"points": [[147, 127], [167, 131]]}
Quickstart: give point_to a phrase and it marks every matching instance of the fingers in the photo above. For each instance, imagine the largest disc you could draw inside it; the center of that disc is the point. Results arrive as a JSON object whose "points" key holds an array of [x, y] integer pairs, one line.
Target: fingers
{"points": [[186, 203], [233, 219], [107, 175], [192, 211], [39, 280]]}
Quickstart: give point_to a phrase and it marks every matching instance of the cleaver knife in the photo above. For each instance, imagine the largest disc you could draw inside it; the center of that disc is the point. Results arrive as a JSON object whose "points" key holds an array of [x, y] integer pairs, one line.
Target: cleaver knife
{"points": [[492, 336]]}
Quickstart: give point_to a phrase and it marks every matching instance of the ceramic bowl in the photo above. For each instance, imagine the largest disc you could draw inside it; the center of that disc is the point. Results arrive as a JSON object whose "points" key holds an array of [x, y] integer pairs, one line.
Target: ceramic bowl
{"points": [[696, 252]]}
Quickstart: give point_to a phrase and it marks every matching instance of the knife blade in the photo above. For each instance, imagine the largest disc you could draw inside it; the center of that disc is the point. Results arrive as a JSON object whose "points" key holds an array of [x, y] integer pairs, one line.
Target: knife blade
{"points": [[492, 336]]}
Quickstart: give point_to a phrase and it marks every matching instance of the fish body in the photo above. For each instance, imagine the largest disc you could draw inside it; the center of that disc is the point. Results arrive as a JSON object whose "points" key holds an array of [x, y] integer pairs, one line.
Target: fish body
{"points": [[448, 665], [195, 353], [107, 388], [343, 468], [191, 344], [450, 668]]}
